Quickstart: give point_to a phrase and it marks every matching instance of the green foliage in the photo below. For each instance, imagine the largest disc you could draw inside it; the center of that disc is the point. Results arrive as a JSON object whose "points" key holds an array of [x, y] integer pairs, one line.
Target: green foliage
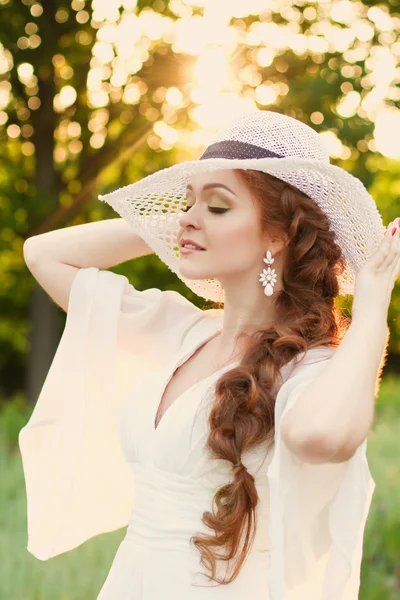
{"points": [[14, 414], [380, 578], [388, 401]]}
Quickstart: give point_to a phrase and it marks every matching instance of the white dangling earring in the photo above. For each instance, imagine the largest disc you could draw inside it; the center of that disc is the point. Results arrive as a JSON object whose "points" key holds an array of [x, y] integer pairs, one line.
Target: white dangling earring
{"points": [[268, 276]]}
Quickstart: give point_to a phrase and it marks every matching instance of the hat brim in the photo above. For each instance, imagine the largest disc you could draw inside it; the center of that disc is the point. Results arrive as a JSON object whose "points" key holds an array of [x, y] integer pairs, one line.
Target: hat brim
{"points": [[152, 206]]}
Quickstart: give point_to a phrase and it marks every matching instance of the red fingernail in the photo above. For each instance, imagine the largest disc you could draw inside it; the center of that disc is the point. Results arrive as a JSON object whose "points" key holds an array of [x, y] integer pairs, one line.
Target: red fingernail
{"points": [[394, 230]]}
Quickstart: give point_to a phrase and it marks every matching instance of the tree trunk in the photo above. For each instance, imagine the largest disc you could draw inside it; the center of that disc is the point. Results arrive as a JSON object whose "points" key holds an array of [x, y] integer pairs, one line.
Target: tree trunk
{"points": [[44, 335]]}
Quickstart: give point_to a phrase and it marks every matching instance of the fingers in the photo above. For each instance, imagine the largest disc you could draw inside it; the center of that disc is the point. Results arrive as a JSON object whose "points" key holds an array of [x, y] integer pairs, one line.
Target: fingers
{"points": [[395, 263], [388, 254], [391, 227], [394, 252], [396, 269]]}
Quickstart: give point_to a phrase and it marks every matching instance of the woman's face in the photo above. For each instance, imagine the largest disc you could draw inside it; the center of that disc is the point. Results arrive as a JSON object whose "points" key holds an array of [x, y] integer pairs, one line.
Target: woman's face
{"points": [[222, 218]]}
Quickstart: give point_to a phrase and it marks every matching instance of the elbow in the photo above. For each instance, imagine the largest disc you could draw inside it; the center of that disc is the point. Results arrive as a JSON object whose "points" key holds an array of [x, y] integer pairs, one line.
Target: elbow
{"points": [[30, 250], [327, 449], [316, 447]]}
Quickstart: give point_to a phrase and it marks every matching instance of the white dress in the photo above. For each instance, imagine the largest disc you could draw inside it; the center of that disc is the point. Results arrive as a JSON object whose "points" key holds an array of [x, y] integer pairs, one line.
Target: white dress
{"points": [[93, 461]]}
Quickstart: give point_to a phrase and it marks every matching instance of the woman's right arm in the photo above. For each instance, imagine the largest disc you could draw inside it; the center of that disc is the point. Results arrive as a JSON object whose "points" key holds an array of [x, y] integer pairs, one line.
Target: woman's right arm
{"points": [[54, 258]]}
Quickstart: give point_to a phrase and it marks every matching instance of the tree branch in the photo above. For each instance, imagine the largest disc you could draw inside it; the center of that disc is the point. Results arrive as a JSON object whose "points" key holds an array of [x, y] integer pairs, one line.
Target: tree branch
{"points": [[62, 214]]}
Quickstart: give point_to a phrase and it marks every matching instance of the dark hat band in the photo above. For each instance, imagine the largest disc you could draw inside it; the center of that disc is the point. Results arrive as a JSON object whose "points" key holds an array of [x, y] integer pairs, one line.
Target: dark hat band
{"points": [[234, 149]]}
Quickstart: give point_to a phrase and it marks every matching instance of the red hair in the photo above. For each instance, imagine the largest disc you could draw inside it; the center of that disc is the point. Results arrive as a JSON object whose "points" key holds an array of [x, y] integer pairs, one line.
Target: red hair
{"points": [[242, 415]]}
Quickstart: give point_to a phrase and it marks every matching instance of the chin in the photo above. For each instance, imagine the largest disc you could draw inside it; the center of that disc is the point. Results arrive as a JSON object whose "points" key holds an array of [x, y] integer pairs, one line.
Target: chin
{"points": [[192, 273]]}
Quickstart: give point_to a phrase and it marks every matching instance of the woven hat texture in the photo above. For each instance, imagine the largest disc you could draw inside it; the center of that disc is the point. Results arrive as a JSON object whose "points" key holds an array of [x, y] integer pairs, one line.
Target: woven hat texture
{"points": [[273, 143]]}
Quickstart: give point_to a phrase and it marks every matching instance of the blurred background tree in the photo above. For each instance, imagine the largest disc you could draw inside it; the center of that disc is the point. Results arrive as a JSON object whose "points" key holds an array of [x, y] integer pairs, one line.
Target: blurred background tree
{"points": [[95, 95]]}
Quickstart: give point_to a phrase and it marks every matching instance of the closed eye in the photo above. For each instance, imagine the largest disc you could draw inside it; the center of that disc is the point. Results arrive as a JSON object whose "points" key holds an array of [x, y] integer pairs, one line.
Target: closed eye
{"points": [[210, 208]]}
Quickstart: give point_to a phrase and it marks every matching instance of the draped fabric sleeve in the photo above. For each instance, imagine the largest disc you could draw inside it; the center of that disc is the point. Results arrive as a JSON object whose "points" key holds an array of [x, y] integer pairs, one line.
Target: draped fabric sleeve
{"points": [[78, 483], [318, 512]]}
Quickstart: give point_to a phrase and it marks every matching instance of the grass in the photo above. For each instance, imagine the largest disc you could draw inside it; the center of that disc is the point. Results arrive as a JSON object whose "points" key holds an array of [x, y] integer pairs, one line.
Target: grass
{"points": [[75, 575], [380, 576], [79, 574]]}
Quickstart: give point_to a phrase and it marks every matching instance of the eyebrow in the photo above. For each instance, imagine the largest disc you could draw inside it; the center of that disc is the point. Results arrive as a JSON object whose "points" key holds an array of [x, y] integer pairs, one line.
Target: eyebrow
{"points": [[211, 185]]}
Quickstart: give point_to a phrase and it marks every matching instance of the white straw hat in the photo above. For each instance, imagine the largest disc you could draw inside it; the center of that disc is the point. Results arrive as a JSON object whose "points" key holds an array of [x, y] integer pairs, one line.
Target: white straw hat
{"points": [[273, 143]]}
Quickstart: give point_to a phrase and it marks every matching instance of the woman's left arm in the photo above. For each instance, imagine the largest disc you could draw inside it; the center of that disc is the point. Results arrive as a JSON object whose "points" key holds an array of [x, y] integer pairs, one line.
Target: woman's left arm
{"points": [[334, 414]]}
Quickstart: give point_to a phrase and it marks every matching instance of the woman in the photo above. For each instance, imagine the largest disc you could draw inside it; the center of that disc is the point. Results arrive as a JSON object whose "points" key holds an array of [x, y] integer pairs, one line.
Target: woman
{"points": [[231, 441]]}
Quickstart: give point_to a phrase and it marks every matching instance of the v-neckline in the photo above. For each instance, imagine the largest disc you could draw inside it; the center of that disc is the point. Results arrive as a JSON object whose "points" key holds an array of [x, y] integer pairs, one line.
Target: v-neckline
{"points": [[178, 364]]}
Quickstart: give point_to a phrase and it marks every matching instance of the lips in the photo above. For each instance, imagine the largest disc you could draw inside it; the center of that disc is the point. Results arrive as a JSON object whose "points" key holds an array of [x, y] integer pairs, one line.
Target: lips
{"points": [[185, 250], [186, 241]]}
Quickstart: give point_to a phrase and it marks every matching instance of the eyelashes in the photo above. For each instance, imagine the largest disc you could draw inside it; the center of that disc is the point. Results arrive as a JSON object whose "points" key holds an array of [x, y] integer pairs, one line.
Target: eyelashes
{"points": [[211, 209]]}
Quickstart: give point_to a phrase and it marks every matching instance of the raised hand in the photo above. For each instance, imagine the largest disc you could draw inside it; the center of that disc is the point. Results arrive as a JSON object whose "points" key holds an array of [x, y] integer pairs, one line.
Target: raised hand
{"points": [[376, 278]]}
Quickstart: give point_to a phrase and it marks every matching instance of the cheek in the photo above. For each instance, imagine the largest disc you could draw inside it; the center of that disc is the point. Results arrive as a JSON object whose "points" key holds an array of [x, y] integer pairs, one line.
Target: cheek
{"points": [[237, 242], [239, 234]]}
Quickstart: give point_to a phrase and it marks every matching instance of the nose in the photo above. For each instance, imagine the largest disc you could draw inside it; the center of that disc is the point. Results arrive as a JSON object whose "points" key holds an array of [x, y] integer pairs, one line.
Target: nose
{"points": [[189, 218]]}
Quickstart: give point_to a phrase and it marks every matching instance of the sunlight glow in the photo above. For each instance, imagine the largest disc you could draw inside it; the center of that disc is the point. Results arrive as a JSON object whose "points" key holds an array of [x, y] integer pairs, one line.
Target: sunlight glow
{"points": [[349, 104], [220, 108], [231, 57], [213, 82], [174, 97], [6, 60], [104, 10], [334, 146], [387, 132], [13, 131], [5, 94], [25, 72], [211, 71], [265, 95], [65, 98]]}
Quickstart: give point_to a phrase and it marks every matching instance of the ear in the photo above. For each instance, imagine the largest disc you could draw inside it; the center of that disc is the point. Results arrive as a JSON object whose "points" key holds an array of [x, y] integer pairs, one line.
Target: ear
{"points": [[277, 244]]}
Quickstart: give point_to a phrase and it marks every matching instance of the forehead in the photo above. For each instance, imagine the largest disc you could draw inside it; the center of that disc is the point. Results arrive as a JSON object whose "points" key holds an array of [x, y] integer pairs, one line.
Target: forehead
{"points": [[227, 177]]}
